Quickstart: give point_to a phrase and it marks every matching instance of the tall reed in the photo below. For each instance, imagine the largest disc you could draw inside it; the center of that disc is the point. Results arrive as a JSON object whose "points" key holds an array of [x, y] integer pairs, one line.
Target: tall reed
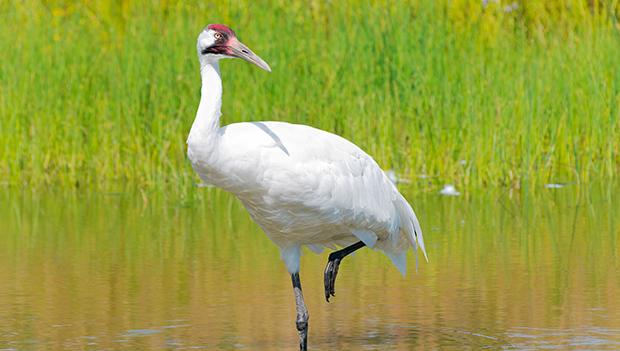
{"points": [[477, 93]]}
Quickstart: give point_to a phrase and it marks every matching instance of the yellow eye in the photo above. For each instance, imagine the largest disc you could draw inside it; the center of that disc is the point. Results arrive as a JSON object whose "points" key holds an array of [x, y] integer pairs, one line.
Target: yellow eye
{"points": [[217, 36]]}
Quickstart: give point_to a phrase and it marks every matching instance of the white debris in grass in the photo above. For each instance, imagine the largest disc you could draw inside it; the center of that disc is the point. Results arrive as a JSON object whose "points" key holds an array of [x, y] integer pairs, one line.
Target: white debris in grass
{"points": [[394, 178], [555, 185], [512, 7]]}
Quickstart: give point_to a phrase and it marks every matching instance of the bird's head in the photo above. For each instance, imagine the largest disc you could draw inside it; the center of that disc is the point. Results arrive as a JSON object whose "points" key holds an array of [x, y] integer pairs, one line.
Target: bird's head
{"points": [[217, 41]]}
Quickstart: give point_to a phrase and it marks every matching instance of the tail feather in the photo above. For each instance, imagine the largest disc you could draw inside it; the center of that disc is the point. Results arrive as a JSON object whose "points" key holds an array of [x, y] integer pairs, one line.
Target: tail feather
{"points": [[399, 259], [410, 224], [418, 232]]}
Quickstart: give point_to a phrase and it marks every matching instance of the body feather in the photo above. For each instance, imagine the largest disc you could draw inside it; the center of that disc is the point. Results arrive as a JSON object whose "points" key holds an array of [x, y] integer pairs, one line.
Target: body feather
{"points": [[305, 186]]}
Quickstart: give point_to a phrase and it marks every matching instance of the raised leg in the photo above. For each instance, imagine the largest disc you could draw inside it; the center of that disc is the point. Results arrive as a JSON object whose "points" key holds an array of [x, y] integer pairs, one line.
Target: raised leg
{"points": [[331, 270], [302, 313]]}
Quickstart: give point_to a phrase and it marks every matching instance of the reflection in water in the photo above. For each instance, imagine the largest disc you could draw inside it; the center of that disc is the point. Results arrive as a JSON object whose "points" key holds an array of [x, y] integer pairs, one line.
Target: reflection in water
{"points": [[125, 272]]}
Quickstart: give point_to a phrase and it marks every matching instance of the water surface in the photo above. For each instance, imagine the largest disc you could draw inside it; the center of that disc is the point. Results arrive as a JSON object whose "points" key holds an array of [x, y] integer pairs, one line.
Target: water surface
{"points": [[135, 272]]}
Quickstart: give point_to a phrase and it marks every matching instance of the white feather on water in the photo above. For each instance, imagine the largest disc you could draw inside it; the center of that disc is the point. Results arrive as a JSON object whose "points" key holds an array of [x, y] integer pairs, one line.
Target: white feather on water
{"points": [[555, 185], [449, 190]]}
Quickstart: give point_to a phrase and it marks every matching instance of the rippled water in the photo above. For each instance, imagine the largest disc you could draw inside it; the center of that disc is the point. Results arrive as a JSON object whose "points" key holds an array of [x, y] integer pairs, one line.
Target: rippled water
{"points": [[136, 272]]}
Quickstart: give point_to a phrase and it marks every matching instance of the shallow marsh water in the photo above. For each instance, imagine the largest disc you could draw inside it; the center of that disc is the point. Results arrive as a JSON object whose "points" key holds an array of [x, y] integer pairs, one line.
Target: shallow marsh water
{"points": [[135, 272]]}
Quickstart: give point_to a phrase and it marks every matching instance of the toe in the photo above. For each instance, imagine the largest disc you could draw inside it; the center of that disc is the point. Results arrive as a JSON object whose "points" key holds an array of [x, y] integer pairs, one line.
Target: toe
{"points": [[328, 279]]}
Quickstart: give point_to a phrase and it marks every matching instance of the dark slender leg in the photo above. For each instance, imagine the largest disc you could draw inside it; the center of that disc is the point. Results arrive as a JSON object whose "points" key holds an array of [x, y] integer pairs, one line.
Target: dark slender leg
{"points": [[332, 267], [302, 313]]}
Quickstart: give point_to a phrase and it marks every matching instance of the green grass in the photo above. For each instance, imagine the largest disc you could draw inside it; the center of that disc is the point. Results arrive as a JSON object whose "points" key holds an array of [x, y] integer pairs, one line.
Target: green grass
{"points": [[103, 94]]}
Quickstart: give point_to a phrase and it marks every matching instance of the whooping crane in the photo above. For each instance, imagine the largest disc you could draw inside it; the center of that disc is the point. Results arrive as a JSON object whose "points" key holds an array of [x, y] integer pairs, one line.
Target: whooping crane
{"points": [[303, 186]]}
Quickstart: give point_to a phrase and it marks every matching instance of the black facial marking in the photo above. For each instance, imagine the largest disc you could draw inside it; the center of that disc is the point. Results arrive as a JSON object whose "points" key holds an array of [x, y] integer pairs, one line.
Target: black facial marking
{"points": [[215, 49], [219, 46]]}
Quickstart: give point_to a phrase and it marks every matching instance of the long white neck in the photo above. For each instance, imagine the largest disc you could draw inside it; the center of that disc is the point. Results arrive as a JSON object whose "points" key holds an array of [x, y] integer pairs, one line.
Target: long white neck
{"points": [[207, 122]]}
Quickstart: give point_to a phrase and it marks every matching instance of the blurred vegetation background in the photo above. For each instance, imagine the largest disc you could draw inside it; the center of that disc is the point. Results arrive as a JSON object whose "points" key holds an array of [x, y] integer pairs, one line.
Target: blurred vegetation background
{"points": [[101, 94]]}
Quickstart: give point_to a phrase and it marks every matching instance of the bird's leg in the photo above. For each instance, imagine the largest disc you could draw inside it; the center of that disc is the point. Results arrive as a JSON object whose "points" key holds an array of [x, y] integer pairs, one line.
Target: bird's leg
{"points": [[332, 267], [302, 313]]}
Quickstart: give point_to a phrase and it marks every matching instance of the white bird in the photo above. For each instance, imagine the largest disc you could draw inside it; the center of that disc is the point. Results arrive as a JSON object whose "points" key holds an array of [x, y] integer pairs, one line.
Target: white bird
{"points": [[303, 186]]}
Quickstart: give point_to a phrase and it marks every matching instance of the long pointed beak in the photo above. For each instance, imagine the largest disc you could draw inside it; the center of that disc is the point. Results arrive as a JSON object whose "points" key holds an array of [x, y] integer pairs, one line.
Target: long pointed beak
{"points": [[242, 51]]}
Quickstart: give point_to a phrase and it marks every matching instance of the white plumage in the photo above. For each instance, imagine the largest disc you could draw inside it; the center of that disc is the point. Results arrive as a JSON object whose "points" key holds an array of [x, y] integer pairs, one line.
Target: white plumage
{"points": [[303, 186]]}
